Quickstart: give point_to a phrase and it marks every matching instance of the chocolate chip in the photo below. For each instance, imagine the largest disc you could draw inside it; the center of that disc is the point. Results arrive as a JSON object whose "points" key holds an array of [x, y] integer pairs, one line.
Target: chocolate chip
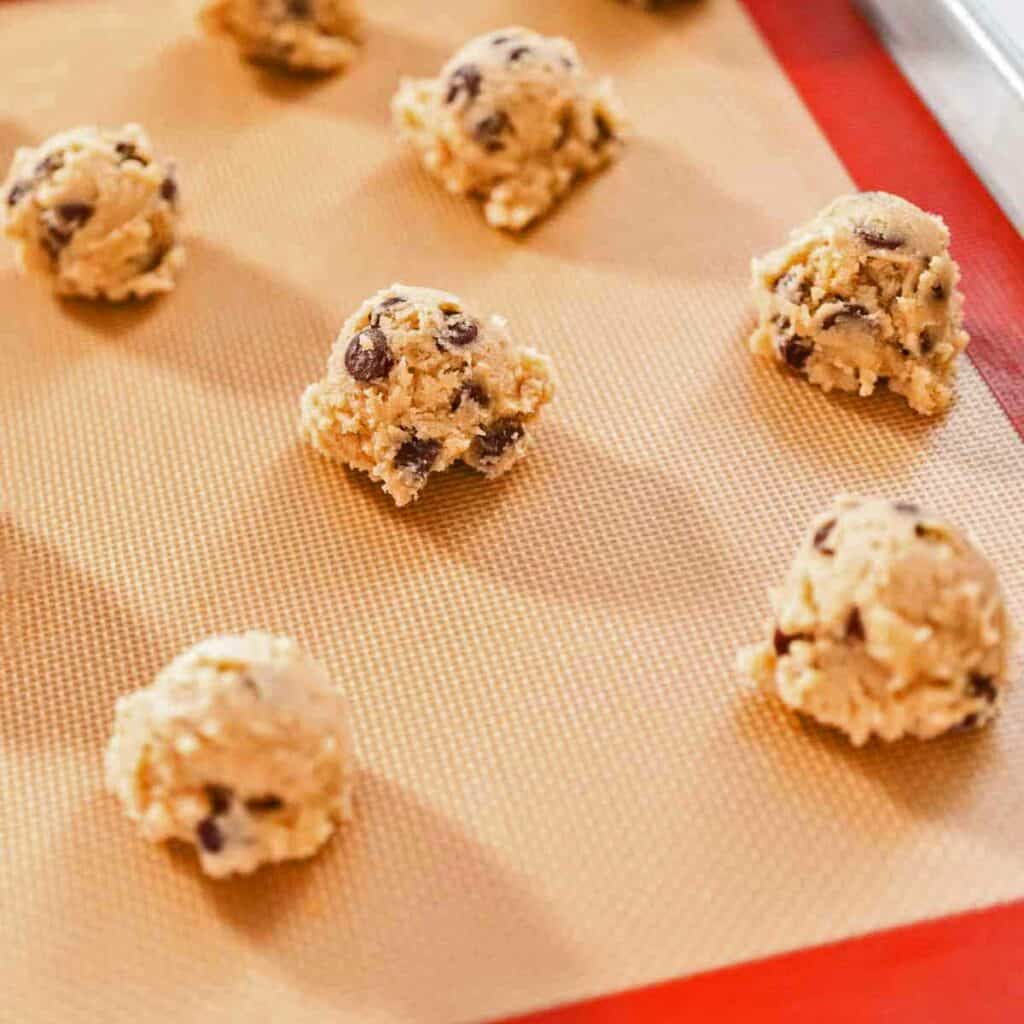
{"points": [[968, 723], [19, 190], [927, 342], [821, 535], [220, 798], [499, 437], [129, 151], [459, 331], [907, 508], [565, 124], [782, 642], [384, 304], [938, 292], [417, 455], [368, 356], [210, 836], [76, 213], [169, 189], [982, 686], [49, 164], [264, 804], [920, 531], [465, 79], [605, 133], [855, 626], [300, 8], [43, 170], [518, 54], [877, 240], [794, 350], [850, 311], [471, 392], [488, 132]]}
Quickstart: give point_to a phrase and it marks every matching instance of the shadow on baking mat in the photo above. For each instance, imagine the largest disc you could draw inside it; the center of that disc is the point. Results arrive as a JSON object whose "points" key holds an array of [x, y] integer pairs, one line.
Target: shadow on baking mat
{"points": [[400, 902], [652, 177], [364, 91], [69, 647], [220, 86], [880, 436], [940, 779], [560, 516], [109, 319], [195, 331], [401, 200]]}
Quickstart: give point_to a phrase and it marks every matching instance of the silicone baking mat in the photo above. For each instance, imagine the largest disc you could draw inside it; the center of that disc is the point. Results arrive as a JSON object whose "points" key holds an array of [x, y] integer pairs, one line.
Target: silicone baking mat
{"points": [[563, 792]]}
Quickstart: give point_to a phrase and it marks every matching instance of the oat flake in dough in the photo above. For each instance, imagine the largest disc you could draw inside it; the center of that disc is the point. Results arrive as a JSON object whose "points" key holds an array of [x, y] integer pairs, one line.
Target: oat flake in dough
{"points": [[240, 747], [865, 295], [298, 35], [417, 382], [97, 211], [890, 623], [513, 119]]}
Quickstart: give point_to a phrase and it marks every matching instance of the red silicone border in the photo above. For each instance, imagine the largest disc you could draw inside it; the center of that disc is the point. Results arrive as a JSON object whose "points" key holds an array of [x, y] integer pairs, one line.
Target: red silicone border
{"points": [[956, 969]]}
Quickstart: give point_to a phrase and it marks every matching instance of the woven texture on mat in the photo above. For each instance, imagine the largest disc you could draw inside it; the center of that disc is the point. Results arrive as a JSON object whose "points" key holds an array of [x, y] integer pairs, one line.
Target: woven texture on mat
{"points": [[564, 791]]}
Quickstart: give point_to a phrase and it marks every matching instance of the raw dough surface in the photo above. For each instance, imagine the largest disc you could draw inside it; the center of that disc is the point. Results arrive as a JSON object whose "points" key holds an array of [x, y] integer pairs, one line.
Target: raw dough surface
{"points": [[513, 119], [416, 382], [97, 211], [299, 35], [865, 294], [240, 747], [890, 623]]}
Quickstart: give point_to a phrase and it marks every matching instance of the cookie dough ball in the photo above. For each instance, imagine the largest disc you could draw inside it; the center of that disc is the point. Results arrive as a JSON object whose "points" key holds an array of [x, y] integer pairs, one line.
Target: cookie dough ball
{"points": [[308, 36], [417, 382], [865, 295], [240, 747], [890, 623], [98, 212], [514, 120]]}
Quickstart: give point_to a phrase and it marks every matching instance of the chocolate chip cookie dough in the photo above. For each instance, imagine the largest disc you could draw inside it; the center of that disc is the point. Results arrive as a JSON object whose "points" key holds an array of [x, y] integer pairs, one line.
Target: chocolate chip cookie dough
{"points": [[98, 212], [240, 747], [865, 295], [890, 623], [310, 36], [514, 120], [417, 382]]}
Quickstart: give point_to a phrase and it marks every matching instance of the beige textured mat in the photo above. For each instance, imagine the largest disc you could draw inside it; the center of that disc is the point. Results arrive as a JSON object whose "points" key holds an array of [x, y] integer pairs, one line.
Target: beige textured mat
{"points": [[564, 791]]}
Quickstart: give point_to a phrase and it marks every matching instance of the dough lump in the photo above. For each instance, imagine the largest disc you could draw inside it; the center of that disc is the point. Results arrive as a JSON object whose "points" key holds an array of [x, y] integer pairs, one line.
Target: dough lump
{"points": [[864, 295], [890, 623], [514, 120], [298, 35], [417, 382], [98, 212], [240, 747]]}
